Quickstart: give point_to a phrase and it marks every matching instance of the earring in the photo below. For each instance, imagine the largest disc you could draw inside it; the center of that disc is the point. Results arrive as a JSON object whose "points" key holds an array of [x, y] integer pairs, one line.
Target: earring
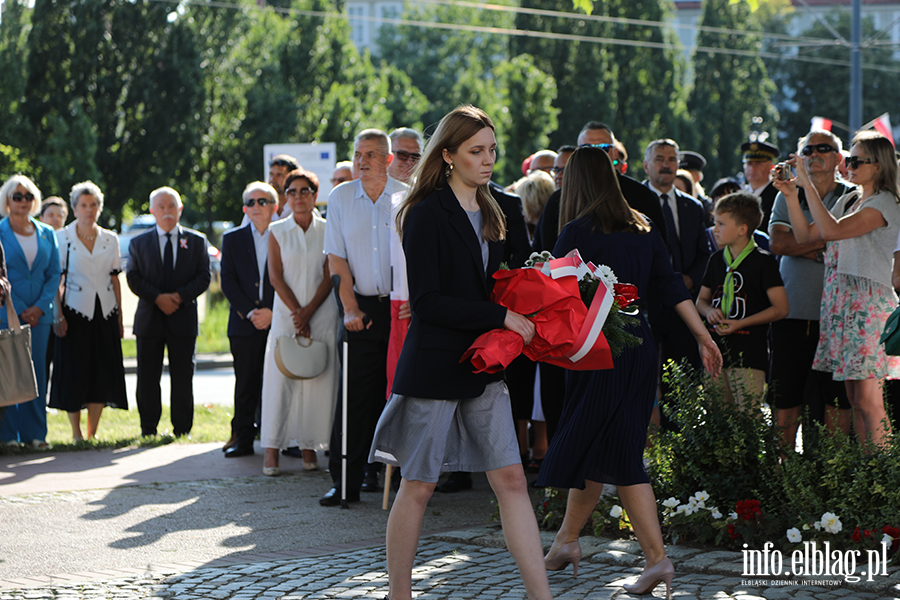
{"points": [[448, 171]]}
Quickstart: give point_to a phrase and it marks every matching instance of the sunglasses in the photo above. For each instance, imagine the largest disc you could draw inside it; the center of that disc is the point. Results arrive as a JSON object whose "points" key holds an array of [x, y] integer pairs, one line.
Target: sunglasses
{"points": [[820, 148], [261, 201], [557, 170], [405, 156], [605, 147], [283, 163], [304, 191], [853, 162], [26, 197]]}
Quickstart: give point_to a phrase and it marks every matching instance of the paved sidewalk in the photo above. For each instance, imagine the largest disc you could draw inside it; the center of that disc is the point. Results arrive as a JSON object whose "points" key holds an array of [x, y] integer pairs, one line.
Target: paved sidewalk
{"points": [[182, 522]]}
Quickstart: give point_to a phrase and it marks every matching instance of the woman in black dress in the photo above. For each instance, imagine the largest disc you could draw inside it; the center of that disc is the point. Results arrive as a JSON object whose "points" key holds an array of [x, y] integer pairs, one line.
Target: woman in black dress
{"points": [[603, 430], [441, 416], [88, 370]]}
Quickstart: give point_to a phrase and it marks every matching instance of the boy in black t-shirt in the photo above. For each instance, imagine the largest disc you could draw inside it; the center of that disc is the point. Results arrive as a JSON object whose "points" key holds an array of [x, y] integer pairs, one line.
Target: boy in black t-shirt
{"points": [[742, 292]]}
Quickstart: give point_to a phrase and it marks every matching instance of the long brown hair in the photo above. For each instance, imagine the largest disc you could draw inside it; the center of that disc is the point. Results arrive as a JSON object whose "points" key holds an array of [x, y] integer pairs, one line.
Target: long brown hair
{"points": [[591, 188], [430, 174], [879, 148]]}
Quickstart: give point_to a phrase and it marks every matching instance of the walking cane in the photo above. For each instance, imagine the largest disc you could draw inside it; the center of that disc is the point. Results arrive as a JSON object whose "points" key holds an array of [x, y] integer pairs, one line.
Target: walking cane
{"points": [[336, 282]]}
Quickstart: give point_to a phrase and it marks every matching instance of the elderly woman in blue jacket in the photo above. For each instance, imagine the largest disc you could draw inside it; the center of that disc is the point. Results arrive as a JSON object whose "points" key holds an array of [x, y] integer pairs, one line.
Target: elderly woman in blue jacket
{"points": [[32, 264]]}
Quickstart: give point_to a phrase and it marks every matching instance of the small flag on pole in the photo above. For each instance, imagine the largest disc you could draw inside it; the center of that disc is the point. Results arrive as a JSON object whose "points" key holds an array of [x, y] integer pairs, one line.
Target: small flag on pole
{"points": [[820, 123], [883, 125]]}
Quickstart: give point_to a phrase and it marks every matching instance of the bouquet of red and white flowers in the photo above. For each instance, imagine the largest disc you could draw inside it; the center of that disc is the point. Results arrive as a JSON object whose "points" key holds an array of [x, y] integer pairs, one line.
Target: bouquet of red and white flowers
{"points": [[579, 324]]}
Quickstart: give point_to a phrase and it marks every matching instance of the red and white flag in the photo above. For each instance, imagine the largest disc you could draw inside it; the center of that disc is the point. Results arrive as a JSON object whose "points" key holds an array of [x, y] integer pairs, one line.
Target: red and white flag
{"points": [[883, 126], [820, 123]]}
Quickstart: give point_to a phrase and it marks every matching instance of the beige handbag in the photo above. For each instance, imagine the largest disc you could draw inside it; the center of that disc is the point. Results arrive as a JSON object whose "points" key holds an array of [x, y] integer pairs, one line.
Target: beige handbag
{"points": [[17, 380], [299, 361]]}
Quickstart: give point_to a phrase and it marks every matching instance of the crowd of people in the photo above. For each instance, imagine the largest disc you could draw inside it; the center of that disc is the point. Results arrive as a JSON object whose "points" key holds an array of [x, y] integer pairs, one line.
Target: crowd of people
{"points": [[777, 286]]}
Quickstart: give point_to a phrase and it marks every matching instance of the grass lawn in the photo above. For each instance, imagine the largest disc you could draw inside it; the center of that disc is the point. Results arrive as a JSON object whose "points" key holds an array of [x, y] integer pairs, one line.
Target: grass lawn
{"points": [[121, 428], [213, 330]]}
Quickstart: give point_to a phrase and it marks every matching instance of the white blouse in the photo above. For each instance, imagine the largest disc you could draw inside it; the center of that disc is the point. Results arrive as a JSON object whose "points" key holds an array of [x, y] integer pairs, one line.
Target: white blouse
{"points": [[89, 274]]}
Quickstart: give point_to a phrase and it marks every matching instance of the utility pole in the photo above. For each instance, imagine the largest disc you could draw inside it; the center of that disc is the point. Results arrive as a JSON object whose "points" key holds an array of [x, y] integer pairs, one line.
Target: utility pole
{"points": [[855, 69]]}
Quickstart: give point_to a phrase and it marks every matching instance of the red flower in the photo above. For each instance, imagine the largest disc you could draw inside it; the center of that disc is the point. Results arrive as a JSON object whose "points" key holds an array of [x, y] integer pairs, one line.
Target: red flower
{"points": [[748, 509], [732, 532], [894, 532], [856, 537], [625, 294]]}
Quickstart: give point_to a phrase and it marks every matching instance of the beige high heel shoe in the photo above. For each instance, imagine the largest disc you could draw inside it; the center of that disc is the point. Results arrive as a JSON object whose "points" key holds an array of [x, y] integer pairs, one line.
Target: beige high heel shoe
{"points": [[570, 553], [661, 571]]}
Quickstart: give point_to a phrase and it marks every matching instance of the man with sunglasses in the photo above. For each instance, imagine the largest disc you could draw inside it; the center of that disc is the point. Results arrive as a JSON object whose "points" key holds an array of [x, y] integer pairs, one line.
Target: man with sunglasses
{"points": [[246, 285], [598, 134], [794, 339], [759, 157], [406, 146]]}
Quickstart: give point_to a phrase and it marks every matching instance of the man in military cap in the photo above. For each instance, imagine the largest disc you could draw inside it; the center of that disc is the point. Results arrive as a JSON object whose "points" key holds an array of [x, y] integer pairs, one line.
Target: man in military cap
{"points": [[694, 163], [759, 158]]}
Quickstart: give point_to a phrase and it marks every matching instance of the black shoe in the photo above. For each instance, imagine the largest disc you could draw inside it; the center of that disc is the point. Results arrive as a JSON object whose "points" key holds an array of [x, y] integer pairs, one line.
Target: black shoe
{"points": [[456, 482], [238, 450], [333, 497], [293, 452], [370, 483]]}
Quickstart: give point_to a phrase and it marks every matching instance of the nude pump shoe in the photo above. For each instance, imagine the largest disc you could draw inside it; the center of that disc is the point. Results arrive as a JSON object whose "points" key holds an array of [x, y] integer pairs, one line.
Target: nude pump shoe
{"points": [[661, 571], [570, 553]]}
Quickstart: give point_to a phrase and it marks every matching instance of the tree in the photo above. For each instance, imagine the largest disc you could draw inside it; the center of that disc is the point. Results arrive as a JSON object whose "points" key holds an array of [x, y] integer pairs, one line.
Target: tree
{"points": [[13, 56], [728, 90], [808, 89]]}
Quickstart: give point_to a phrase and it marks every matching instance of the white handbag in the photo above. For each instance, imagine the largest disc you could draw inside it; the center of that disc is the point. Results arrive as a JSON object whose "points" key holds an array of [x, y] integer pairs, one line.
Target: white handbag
{"points": [[298, 361]]}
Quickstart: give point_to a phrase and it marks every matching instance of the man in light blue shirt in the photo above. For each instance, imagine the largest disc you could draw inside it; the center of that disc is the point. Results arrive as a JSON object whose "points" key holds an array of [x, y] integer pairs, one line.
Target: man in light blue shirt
{"points": [[357, 242]]}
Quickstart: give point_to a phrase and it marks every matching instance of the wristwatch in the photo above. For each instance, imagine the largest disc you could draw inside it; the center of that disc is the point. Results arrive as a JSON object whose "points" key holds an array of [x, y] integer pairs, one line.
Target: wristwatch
{"points": [[820, 256]]}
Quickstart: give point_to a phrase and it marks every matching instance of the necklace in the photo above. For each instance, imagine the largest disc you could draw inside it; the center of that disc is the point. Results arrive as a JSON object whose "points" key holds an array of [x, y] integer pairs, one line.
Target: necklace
{"points": [[88, 238]]}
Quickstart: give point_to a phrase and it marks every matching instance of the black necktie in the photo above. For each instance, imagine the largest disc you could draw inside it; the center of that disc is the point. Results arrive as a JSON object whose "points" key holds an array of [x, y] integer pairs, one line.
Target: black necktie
{"points": [[168, 262], [672, 242]]}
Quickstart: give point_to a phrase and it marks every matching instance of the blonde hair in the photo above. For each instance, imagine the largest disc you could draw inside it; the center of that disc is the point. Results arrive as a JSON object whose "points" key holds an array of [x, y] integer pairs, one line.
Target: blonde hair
{"points": [[534, 191], [431, 173], [879, 148], [9, 188]]}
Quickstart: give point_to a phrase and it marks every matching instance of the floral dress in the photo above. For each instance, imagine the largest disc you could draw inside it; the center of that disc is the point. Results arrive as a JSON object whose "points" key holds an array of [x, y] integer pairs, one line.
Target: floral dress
{"points": [[853, 312]]}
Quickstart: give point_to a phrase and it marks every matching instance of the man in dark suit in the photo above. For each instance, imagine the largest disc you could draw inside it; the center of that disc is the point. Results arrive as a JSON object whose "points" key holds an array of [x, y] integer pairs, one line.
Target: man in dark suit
{"points": [[245, 282], [638, 197], [168, 268], [759, 158], [683, 219]]}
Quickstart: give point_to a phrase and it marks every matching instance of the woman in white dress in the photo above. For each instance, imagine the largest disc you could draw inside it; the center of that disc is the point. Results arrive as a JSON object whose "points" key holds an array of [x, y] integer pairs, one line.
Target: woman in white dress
{"points": [[300, 410]]}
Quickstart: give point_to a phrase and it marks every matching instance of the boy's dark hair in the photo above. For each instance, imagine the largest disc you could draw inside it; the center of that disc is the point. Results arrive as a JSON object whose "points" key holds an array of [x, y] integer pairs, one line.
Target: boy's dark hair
{"points": [[743, 207]]}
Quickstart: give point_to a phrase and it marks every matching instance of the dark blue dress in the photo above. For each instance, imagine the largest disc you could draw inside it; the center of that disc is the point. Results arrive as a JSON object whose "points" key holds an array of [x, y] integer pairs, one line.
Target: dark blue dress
{"points": [[603, 429]]}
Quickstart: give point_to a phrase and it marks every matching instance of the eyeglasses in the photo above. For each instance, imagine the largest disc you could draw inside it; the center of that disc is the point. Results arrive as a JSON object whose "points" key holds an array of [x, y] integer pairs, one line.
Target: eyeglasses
{"points": [[26, 197], [557, 170], [404, 156], [283, 163], [820, 148], [853, 162], [304, 191], [260, 201]]}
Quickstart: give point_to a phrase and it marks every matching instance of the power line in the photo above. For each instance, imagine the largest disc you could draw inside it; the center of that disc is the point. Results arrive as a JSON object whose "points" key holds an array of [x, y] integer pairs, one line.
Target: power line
{"points": [[536, 34]]}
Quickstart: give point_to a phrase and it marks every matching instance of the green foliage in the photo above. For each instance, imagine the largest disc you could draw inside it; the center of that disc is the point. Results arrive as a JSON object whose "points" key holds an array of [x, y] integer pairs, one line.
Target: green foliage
{"points": [[733, 459], [728, 90]]}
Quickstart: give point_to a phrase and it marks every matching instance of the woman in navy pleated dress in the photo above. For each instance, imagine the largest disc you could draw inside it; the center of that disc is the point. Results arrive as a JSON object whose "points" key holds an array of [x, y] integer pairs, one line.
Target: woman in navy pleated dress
{"points": [[603, 430]]}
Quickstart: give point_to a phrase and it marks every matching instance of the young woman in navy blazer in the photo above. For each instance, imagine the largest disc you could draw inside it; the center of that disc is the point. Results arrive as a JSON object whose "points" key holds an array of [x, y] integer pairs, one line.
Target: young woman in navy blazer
{"points": [[441, 416]]}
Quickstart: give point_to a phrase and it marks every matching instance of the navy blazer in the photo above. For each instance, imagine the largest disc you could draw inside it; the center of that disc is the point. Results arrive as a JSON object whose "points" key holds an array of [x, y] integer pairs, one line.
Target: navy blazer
{"points": [[35, 286], [145, 278], [449, 292], [240, 280]]}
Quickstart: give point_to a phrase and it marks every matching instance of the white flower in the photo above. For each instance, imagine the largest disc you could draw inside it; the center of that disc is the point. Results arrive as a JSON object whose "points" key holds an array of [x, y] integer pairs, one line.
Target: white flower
{"points": [[733, 516], [616, 511], [682, 508], [715, 513], [670, 503], [818, 525], [606, 275], [831, 523], [537, 258], [794, 536], [806, 527], [887, 539], [701, 496]]}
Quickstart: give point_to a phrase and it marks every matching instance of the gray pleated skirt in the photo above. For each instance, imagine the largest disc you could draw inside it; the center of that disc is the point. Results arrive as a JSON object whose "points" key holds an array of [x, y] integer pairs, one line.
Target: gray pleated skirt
{"points": [[427, 437]]}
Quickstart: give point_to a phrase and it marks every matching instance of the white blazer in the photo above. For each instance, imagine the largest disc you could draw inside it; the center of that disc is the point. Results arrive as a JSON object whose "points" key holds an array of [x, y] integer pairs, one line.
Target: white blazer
{"points": [[88, 274]]}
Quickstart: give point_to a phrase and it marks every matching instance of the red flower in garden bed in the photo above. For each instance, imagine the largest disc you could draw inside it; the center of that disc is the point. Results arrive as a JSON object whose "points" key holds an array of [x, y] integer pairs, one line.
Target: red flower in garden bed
{"points": [[748, 510]]}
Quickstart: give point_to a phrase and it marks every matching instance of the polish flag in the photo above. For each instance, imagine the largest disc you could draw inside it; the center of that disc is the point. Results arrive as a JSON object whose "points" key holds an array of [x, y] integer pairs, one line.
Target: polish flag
{"points": [[820, 123], [399, 296], [883, 125]]}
